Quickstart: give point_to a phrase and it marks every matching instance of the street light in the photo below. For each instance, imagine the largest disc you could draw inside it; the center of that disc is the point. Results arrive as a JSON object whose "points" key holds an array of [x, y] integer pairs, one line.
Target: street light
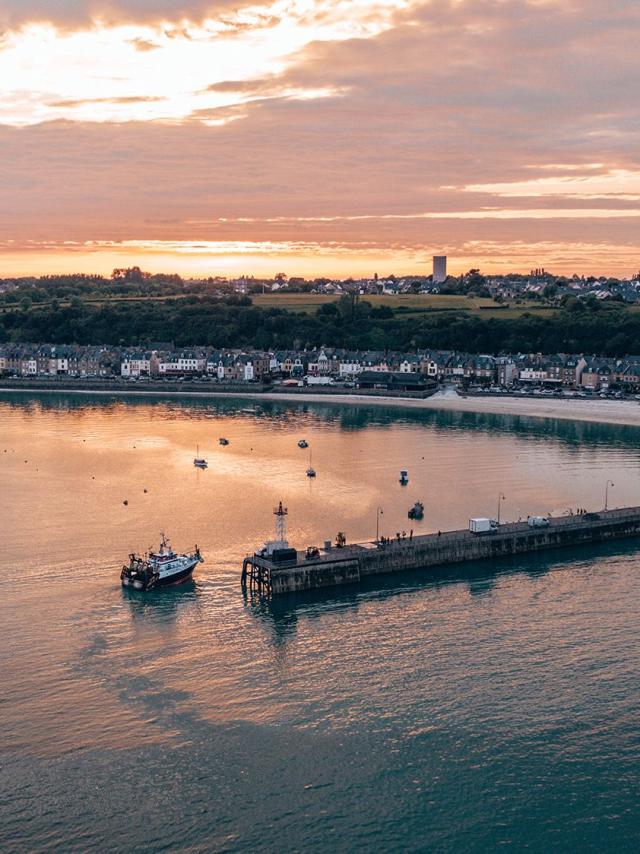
{"points": [[501, 498], [379, 510], [606, 493]]}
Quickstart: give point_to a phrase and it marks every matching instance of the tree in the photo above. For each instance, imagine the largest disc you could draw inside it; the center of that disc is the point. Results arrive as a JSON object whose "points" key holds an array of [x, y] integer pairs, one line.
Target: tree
{"points": [[474, 280], [129, 274]]}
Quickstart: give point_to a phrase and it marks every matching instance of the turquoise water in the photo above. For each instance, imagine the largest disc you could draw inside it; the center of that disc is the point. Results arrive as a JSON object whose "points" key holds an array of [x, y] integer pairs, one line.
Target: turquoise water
{"points": [[495, 705]]}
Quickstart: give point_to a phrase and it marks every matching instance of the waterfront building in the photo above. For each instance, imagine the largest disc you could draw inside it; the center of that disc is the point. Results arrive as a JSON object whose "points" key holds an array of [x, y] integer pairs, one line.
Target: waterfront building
{"points": [[395, 381]]}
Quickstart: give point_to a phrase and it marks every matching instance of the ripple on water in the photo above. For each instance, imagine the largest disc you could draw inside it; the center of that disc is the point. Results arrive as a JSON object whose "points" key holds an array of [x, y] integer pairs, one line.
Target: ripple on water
{"points": [[485, 706]]}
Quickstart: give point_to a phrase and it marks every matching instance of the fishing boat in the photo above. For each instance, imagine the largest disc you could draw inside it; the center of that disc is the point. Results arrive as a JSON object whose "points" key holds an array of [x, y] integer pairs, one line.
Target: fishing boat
{"points": [[303, 443], [199, 462], [161, 568], [223, 441], [404, 477], [417, 511]]}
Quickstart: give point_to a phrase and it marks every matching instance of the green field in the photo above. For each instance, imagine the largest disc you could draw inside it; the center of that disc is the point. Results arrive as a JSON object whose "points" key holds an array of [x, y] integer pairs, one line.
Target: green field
{"points": [[407, 305]]}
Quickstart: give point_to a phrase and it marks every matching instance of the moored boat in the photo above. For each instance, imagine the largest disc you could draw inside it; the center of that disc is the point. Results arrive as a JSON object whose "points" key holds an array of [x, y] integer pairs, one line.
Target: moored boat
{"points": [[199, 462], [159, 569], [303, 443], [223, 441], [311, 472], [404, 477], [417, 511]]}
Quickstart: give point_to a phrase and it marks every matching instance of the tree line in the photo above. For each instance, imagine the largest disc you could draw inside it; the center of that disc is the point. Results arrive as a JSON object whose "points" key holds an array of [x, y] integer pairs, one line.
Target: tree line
{"points": [[234, 322]]}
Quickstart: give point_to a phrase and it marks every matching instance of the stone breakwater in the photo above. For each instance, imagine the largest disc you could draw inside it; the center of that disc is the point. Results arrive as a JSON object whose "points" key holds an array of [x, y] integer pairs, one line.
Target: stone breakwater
{"points": [[351, 564]]}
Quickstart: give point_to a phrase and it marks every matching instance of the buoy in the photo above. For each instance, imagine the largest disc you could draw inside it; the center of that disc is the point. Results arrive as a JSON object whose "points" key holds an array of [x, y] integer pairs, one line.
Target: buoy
{"points": [[125, 502], [145, 490]]}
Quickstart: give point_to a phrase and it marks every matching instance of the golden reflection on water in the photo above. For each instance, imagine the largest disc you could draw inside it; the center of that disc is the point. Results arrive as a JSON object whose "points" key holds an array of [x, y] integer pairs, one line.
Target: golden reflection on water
{"points": [[66, 474], [102, 664]]}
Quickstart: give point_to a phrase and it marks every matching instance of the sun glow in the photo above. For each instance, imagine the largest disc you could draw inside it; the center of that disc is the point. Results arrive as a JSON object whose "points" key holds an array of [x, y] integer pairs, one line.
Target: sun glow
{"points": [[169, 72], [310, 258]]}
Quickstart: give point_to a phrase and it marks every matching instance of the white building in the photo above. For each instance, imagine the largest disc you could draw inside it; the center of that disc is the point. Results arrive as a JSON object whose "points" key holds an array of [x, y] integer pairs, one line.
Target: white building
{"points": [[321, 366], [410, 364], [350, 366], [533, 374], [135, 365]]}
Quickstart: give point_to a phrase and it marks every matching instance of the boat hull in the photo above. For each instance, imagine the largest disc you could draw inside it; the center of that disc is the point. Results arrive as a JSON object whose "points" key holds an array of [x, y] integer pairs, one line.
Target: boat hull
{"points": [[176, 578], [173, 579]]}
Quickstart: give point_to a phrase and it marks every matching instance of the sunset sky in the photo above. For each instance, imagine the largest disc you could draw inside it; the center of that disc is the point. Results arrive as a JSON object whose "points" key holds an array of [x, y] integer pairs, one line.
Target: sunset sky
{"points": [[335, 137]]}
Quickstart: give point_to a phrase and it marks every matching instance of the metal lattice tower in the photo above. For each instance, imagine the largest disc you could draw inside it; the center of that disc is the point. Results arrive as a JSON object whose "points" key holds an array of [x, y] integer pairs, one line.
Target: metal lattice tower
{"points": [[280, 513]]}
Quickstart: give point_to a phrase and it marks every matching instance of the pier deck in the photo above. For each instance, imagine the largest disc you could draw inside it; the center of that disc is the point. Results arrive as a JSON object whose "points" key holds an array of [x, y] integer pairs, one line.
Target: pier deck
{"points": [[349, 564]]}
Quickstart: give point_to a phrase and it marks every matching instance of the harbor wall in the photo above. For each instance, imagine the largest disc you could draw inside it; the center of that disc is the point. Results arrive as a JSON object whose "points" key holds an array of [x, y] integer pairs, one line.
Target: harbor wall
{"points": [[329, 574], [354, 563]]}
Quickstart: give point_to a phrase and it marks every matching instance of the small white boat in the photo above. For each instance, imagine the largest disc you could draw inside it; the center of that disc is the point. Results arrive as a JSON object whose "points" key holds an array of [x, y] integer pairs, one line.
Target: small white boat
{"points": [[199, 462]]}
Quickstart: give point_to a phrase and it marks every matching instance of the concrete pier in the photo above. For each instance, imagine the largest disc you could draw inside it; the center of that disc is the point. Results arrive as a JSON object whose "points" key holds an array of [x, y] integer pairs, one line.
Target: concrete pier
{"points": [[350, 564]]}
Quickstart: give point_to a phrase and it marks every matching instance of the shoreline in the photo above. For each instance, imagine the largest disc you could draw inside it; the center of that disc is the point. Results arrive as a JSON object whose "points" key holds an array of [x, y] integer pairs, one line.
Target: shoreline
{"points": [[621, 412]]}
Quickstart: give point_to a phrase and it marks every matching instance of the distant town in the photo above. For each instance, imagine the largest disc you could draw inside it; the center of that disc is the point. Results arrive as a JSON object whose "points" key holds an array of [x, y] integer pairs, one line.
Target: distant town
{"points": [[325, 369], [502, 332], [536, 284]]}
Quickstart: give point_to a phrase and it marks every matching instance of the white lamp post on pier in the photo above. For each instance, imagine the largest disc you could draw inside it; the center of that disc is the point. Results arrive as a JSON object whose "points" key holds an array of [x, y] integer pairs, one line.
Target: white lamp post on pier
{"points": [[501, 498], [606, 493]]}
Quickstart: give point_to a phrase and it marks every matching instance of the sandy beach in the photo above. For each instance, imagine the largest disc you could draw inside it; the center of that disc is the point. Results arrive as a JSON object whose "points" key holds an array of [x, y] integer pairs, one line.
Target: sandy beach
{"points": [[623, 412]]}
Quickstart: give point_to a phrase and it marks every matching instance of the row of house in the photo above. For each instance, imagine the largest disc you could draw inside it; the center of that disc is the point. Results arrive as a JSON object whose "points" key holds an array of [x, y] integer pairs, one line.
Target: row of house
{"points": [[559, 371]]}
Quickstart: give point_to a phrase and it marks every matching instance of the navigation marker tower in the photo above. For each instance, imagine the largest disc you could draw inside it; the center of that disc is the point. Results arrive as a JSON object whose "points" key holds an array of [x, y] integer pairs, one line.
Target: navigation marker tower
{"points": [[280, 513]]}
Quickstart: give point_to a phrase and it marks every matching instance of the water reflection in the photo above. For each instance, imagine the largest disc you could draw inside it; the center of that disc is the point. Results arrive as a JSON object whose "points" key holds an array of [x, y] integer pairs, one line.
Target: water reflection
{"points": [[348, 417], [281, 614], [163, 606]]}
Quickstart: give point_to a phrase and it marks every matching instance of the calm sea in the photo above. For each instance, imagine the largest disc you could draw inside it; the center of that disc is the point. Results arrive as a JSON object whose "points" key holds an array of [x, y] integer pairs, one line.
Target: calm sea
{"points": [[471, 709]]}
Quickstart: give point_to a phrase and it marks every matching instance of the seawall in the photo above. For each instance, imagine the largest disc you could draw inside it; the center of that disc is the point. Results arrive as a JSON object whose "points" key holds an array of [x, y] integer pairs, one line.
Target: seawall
{"points": [[350, 564]]}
